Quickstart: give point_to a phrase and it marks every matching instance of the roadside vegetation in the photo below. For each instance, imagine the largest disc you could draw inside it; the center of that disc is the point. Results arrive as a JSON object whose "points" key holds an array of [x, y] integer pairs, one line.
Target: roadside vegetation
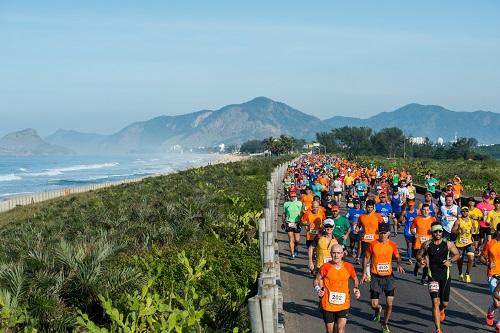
{"points": [[171, 253]]}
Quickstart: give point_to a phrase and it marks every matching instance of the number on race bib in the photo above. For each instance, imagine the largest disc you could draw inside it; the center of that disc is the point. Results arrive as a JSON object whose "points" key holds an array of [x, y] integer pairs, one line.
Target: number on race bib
{"points": [[424, 239], [292, 225], [350, 205], [465, 240], [336, 298], [369, 237], [451, 219], [385, 218], [383, 268], [327, 259], [434, 286]]}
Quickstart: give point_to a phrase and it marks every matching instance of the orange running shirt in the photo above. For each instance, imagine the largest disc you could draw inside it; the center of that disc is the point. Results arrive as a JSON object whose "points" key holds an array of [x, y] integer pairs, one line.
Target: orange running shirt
{"points": [[381, 257], [492, 250], [336, 284], [314, 223], [423, 226], [307, 200], [370, 222]]}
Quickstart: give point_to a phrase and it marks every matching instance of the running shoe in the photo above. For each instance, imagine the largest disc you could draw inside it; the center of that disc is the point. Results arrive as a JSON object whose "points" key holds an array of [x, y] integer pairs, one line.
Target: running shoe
{"points": [[293, 255], [423, 282], [368, 278], [498, 328], [490, 318], [461, 277], [296, 252], [358, 261], [385, 329], [467, 278], [376, 319], [439, 331], [442, 315]]}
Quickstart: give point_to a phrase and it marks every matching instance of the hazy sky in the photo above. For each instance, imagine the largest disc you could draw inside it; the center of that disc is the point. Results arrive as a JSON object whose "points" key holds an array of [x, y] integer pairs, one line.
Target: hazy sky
{"points": [[96, 66]]}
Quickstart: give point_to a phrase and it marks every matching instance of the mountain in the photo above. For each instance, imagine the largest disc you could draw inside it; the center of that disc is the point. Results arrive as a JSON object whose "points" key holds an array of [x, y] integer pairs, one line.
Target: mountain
{"points": [[28, 142], [431, 121], [82, 143], [262, 117], [257, 119]]}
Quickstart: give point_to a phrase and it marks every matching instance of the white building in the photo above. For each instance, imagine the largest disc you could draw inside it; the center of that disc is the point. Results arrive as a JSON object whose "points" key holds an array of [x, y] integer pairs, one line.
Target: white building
{"points": [[440, 141], [417, 140]]}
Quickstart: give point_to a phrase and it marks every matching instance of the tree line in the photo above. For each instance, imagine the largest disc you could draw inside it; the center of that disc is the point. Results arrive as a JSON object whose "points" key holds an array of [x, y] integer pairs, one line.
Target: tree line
{"points": [[353, 141]]}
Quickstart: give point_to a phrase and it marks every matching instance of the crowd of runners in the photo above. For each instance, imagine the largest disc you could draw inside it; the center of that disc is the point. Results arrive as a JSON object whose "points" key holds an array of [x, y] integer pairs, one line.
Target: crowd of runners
{"points": [[376, 204]]}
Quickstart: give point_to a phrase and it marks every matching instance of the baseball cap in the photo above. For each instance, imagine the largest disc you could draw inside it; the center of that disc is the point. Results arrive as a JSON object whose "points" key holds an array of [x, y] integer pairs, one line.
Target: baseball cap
{"points": [[410, 202], [426, 193], [370, 202], [464, 208], [356, 201], [329, 223], [335, 208], [384, 227], [471, 199], [449, 184], [379, 187], [293, 194]]}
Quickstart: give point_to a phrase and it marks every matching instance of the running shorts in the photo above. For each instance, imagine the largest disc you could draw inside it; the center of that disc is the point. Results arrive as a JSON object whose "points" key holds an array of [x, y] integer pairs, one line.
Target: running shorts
{"points": [[440, 289]]}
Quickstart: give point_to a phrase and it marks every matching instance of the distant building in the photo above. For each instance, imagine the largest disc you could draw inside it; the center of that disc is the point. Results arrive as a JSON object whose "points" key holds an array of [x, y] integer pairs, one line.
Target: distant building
{"points": [[417, 140], [222, 147], [440, 141]]}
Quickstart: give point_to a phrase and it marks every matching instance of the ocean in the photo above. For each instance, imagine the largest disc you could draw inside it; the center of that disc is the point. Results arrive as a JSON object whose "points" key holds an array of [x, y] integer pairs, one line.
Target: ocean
{"points": [[20, 175]]}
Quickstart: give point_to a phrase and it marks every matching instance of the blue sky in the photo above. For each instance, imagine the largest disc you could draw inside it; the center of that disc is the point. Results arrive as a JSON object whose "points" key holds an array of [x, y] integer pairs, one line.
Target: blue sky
{"points": [[96, 66]]}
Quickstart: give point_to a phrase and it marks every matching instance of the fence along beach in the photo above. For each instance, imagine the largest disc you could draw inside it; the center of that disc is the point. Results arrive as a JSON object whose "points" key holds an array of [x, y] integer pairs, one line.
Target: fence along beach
{"points": [[31, 198]]}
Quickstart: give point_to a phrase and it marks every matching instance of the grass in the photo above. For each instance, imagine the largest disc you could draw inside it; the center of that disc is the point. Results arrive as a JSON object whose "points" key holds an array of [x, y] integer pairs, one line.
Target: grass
{"points": [[70, 254]]}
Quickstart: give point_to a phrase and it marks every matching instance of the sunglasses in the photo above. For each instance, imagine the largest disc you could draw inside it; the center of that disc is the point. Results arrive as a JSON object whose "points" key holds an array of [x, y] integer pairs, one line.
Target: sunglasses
{"points": [[440, 231], [328, 227]]}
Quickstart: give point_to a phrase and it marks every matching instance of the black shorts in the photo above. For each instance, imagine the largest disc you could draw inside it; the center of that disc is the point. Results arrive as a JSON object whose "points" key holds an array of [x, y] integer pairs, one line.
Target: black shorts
{"points": [[312, 242], [354, 237], [465, 250], [294, 230], [380, 284], [440, 289], [484, 231], [475, 237], [397, 216], [337, 192], [364, 247], [332, 316]]}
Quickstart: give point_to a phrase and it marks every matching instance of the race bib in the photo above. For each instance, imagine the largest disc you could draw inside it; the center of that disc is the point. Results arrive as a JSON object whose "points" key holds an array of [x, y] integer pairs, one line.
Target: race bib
{"points": [[434, 287], [336, 298], [451, 219], [369, 237], [383, 268], [327, 259], [313, 232], [465, 240], [292, 225], [385, 218], [424, 239]]}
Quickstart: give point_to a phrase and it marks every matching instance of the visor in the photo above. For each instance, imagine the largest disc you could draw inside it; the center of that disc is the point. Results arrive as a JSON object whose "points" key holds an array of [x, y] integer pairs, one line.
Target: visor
{"points": [[436, 227]]}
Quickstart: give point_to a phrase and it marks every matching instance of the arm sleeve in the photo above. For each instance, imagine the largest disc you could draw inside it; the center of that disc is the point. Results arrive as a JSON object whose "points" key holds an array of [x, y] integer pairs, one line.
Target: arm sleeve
{"points": [[350, 269]]}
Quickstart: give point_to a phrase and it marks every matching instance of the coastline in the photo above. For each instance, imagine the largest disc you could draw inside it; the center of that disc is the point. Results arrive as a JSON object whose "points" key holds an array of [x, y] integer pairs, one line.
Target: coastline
{"points": [[21, 200]]}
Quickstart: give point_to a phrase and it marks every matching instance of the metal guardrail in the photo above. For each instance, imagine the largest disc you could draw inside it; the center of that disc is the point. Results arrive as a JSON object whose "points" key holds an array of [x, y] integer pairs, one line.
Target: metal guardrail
{"points": [[266, 308]]}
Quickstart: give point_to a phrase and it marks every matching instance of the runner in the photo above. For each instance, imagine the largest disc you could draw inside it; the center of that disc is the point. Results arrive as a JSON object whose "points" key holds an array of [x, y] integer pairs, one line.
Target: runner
{"points": [[332, 286], [490, 256], [397, 203], [431, 184], [361, 189], [421, 229], [307, 198], [384, 208], [369, 222], [342, 227], [380, 253], [313, 221], [338, 188], [484, 228], [292, 213], [494, 215], [321, 246], [465, 228], [449, 215], [433, 208], [435, 254], [409, 215], [353, 215]]}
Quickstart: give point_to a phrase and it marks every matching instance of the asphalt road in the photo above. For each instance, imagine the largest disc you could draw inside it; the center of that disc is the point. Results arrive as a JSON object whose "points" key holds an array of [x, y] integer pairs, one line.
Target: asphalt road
{"points": [[412, 306]]}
